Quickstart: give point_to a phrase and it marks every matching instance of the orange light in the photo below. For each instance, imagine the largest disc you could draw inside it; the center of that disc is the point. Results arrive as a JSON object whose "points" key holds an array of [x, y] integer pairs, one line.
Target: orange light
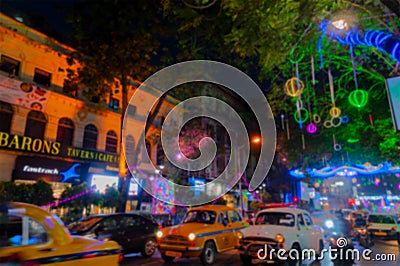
{"points": [[256, 140]]}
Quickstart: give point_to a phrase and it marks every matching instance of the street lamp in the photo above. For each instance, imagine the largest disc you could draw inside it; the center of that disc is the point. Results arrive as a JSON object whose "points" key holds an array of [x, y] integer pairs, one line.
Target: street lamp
{"points": [[255, 140]]}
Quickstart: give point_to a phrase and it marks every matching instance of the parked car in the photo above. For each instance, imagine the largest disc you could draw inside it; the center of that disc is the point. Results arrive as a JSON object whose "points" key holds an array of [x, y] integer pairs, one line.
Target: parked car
{"points": [[134, 232], [283, 229], [204, 231], [29, 235], [385, 226]]}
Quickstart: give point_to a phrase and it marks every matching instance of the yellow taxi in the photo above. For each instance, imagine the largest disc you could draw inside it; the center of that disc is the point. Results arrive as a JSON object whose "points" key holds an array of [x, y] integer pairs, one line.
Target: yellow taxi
{"points": [[29, 235], [204, 232]]}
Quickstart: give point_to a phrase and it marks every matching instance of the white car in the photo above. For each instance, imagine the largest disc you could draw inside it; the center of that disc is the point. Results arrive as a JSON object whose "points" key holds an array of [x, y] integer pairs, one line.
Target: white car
{"points": [[386, 226], [279, 235]]}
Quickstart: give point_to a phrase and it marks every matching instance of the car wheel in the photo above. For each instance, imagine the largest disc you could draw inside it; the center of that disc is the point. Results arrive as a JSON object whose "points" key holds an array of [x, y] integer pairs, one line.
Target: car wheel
{"points": [[207, 257], [149, 248], [167, 259], [246, 260], [295, 261]]}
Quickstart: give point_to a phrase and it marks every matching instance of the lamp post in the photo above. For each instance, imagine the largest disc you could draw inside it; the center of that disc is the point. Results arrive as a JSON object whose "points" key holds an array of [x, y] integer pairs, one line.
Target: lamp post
{"points": [[254, 140]]}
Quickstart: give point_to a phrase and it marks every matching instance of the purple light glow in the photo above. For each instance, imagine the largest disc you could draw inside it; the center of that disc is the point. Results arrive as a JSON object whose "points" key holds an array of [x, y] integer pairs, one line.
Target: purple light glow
{"points": [[311, 128], [55, 203]]}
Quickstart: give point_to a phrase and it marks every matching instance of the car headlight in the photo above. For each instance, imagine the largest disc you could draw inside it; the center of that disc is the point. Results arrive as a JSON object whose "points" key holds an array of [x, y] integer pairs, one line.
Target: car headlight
{"points": [[239, 235], [279, 238], [329, 224], [159, 234], [192, 236]]}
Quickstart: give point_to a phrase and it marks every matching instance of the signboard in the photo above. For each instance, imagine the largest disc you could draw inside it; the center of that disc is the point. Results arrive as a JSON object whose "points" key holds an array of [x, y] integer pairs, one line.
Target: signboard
{"points": [[54, 148], [393, 88], [30, 168], [23, 94], [197, 185]]}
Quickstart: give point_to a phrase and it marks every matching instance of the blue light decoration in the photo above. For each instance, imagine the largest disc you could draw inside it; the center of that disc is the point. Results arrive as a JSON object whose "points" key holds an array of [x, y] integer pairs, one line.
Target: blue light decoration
{"points": [[346, 171], [385, 42]]}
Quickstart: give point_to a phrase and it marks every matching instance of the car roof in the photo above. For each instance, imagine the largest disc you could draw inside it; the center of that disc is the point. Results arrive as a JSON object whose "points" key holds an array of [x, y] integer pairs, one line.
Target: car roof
{"points": [[288, 210], [213, 208]]}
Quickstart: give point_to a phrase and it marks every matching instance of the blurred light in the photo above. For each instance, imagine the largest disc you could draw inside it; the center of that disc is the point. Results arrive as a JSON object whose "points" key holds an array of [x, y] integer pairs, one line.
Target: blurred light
{"points": [[256, 140], [340, 24]]}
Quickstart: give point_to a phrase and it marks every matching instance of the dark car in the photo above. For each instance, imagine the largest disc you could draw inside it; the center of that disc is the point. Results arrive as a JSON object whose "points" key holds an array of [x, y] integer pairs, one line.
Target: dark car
{"points": [[133, 232]]}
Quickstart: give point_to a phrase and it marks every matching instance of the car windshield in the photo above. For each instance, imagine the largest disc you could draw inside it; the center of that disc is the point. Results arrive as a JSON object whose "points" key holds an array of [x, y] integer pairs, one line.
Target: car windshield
{"points": [[84, 223], [207, 217], [275, 218], [381, 219]]}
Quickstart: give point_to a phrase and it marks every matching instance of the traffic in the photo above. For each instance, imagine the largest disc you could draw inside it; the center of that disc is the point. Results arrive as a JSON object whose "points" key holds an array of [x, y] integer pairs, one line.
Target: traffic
{"points": [[277, 233]]}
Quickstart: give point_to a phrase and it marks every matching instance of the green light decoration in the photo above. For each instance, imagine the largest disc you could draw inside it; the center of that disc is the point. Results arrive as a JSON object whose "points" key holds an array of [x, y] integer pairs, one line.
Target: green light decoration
{"points": [[358, 98], [296, 54], [301, 115], [353, 140]]}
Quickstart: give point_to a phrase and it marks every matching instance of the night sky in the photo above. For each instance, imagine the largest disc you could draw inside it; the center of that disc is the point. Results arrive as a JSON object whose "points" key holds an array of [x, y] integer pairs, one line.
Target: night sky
{"points": [[46, 16]]}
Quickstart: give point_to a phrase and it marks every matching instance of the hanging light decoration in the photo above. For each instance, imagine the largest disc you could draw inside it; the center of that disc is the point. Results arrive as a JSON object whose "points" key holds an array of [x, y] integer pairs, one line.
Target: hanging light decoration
{"points": [[301, 115], [311, 128], [293, 87], [358, 98]]}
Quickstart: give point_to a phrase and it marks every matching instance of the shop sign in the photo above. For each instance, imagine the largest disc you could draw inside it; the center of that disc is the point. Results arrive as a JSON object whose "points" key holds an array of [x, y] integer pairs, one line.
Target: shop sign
{"points": [[54, 148], [28, 144], [89, 155], [23, 94], [30, 168]]}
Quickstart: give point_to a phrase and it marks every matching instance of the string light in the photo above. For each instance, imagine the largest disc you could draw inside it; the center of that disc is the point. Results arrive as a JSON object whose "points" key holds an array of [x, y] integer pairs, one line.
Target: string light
{"points": [[55, 203]]}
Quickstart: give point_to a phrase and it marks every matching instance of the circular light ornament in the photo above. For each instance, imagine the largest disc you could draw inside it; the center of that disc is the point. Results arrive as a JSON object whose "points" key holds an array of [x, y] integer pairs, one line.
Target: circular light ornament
{"points": [[159, 234], [293, 87], [345, 119], [335, 111], [296, 54], [301, 115], [358, 98], [311, 128]]}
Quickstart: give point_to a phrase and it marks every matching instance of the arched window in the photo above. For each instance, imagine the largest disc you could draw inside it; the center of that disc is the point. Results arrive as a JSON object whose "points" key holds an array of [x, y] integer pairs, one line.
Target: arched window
{"points": [[90, 137], [6, 114], [35, 124], [65, 131], [160, 155], [129, 146], [111, 141], [148, 151]]}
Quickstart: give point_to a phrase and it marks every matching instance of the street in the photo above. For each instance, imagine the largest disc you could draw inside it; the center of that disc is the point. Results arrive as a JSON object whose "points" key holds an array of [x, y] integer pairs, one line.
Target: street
{"points": [[231, 258]]}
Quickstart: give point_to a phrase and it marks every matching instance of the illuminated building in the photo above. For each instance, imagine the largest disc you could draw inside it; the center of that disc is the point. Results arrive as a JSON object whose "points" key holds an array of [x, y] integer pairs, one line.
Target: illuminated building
{"points": [[46, 132]]}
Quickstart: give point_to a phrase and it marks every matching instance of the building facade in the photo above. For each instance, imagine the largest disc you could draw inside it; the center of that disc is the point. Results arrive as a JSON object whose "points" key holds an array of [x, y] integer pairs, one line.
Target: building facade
{"points": [[47, 133]]}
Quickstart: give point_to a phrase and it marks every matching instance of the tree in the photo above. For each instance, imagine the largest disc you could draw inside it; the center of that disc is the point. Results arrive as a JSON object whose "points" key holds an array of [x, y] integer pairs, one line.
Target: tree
{"points": [[115, 42], [270, 32], [42, 193]]}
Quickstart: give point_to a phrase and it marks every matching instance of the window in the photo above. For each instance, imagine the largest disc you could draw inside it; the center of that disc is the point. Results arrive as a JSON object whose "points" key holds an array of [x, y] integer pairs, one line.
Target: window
{"points": [[21, 231], [65, 131], [114, 104], [9, 65], [234, 216], [133, 221], [6, 114], [90, 137], [160, 155], [308, 219], [111, 141], [129, 146], [222, 217], [300, 219], [42, 77], [35, 124]]}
